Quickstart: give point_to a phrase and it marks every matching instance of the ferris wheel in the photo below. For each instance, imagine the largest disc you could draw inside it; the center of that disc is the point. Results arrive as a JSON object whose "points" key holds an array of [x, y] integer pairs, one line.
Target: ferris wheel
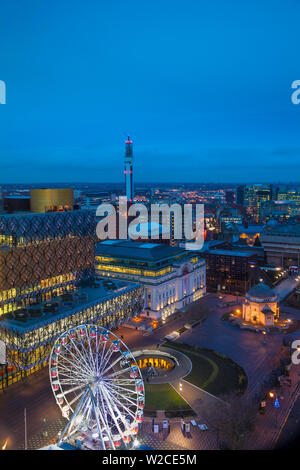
{"points": [[98, 387]]}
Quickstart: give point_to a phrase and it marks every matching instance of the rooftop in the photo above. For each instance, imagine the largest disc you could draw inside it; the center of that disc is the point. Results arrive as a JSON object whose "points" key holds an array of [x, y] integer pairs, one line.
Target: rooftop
{"points": [[284, 230], [230, 253], [137, 250], [36, 214], [103, 291], [250, 229], [208, 244], [261, 291]]}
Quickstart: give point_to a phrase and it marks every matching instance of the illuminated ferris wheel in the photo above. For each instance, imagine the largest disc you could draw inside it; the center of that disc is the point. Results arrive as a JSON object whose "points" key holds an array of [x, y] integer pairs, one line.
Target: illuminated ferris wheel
{"points": [[98, 387]]}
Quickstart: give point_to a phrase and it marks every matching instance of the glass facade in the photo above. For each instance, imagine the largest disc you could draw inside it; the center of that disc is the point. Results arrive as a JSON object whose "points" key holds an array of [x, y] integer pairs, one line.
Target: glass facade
{"points": [[28, 347]]}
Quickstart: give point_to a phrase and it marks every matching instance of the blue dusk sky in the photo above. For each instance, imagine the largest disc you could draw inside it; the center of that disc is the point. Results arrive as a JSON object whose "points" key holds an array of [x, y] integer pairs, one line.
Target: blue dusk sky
{"points": [[202, 87]]}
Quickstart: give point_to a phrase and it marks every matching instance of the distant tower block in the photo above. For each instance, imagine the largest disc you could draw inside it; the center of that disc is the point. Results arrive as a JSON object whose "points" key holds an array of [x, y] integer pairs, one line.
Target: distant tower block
{"points": [[128, 171]]}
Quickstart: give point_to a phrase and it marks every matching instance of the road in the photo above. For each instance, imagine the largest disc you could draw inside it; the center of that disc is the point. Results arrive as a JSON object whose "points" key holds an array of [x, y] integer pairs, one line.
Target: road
{"points": [[34, 394], [284, 288], [247, 348], [290, 434]]}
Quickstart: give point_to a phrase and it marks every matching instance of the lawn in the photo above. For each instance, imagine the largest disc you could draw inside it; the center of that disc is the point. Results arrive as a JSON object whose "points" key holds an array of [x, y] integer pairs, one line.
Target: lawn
{"points": [[163, 397], [211, 371]]}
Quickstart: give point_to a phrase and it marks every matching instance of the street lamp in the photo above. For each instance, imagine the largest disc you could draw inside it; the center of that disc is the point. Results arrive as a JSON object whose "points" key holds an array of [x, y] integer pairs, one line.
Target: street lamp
{"points": [[276, 405], [180, 391], [25, 429]]}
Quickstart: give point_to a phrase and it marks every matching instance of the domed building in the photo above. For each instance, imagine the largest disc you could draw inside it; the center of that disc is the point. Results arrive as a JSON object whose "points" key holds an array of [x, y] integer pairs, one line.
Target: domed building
{"points": [[260, 306]]}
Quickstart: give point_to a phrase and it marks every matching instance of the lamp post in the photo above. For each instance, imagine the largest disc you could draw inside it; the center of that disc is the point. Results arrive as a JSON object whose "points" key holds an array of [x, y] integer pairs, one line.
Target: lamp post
{"points": [[25, 429], [180, 391], [275, 404]]}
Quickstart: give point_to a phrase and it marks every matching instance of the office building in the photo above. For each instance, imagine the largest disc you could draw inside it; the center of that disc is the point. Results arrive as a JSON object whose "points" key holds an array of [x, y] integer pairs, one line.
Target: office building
{"points": [[229, 271], [282, 245], [172, 276]]}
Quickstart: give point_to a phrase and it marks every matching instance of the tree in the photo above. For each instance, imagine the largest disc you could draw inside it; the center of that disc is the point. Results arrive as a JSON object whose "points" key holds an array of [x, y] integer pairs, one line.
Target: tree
{"points": [[233, 419]]}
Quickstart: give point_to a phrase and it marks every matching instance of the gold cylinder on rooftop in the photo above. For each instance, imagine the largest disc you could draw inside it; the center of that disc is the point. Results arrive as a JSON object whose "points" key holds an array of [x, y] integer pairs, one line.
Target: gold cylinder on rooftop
{"points": [[51, 200]]}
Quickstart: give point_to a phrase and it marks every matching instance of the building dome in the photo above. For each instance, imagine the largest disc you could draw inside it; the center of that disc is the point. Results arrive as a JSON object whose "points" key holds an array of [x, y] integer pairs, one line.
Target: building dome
{"points": [[261, 293]]}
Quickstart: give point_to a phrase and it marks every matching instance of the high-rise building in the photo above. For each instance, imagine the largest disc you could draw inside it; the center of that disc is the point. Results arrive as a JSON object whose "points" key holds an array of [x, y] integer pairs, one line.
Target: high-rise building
{"points": [[254, 195], [240, 195], [128, 171], [229, 270], [282, 245]]}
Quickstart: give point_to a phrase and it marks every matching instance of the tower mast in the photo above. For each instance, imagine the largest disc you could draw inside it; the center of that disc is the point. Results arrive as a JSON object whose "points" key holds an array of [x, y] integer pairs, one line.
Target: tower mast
{"points": [[128, 171]]}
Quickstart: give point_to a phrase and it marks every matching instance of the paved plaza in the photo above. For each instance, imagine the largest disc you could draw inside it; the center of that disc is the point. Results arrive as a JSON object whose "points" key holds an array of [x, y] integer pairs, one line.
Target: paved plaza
{"points": [[247, 348]]}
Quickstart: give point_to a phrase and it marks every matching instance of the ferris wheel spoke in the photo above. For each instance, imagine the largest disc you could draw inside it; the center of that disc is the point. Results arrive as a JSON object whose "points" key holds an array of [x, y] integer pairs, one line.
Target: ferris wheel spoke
{"points": [[71, 381], [118, 387], [116, 399], [103, 412], [113, 409], [75, 398], [113, 364], [85, 352], [68, 429], [124, 397], [126, 381], [123, 406], [65, 376], [103, 415], [97, 354], [104, 420], [75, 369], [116, 374], [99, 363], [72, 390], [107, 357], [80, 354], [76, 364], [91, 355]]}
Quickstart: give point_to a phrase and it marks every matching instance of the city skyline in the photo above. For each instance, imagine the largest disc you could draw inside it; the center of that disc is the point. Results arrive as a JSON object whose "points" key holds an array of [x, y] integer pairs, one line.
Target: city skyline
{"points": [[204, 92]]}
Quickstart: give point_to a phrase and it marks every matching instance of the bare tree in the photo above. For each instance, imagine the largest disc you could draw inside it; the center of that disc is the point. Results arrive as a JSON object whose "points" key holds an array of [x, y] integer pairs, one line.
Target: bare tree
{"points": [[233, 419]]}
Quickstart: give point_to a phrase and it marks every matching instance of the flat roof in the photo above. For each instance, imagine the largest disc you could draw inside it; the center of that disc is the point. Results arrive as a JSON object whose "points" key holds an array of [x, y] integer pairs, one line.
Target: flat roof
{"points": [[250, 228], [285, 230], [137, 250], [230, 253], [94, 295], [40, 214]]}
